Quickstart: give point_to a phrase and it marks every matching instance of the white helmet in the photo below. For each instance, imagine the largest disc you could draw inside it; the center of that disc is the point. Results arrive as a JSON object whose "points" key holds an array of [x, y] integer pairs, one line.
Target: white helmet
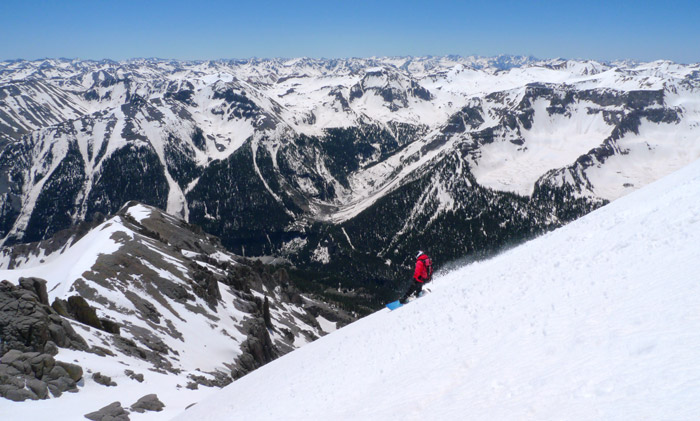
{"points": [[420, 253]]}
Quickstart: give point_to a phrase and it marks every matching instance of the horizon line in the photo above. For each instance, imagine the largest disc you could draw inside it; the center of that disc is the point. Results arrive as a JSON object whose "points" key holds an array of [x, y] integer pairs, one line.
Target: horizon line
{"points": [[529, 57]]}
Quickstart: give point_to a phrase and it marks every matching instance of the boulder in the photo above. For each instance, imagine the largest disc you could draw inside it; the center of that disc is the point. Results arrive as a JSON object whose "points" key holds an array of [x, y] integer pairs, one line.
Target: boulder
{"points": [[42, 363], [134, 376], [75, 372], [24, 320], [11, 356], [99, 378], [63, 334], [60, 385], [40, 389], [57, 372], [148, 403], [19, 395], [111, 412], [50, 348]]}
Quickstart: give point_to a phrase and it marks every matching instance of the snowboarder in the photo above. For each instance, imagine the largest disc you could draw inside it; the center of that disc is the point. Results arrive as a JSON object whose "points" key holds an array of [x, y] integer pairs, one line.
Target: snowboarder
{"points": [[422, 274]]}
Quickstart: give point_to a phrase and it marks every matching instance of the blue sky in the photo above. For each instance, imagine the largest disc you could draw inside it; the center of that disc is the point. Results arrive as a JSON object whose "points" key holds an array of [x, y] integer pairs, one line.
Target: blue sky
{"points": [[601, 30]]}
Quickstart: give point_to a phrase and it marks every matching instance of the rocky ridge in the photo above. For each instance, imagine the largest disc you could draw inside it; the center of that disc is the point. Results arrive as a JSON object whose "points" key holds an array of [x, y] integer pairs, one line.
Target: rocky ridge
{"points": [[139, 295]]}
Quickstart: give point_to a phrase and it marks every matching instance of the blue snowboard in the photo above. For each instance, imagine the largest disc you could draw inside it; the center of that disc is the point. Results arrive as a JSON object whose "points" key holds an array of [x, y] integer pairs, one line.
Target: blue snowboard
{"points": [[394, 305]]}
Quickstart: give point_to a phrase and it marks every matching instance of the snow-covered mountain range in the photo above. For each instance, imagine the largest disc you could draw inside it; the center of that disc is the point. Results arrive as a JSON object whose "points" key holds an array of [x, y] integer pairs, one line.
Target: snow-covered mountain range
{"points": [[344, 168], [596, 320], [152, 306], [345, 165]]}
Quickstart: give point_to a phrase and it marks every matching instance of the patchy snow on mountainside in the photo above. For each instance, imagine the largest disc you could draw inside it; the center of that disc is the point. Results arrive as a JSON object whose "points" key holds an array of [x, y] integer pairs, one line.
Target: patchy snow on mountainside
{"points": [[596, 320], [362, 156], [186, 322], [553, 141]]}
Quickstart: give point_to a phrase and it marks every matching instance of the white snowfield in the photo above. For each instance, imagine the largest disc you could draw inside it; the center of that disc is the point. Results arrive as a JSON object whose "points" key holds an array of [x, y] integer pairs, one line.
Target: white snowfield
{"points": [[597, 320]]}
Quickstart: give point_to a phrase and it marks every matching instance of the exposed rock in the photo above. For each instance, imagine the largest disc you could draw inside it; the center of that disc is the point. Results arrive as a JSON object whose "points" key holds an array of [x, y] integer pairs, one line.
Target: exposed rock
{"points": [[220, 380], [50, 348], [11, 356], [83, 312], [99, 378], [134, 376], [147, 310], [101, 351], [257, 350], [111, 412], [110, 326], [148, 403], [23, 321], [206, 285], [27, 324], [41, 363], [60, 385], [75, 372], [36, 285], [58, 372], [39, 388], [60, 307], [154, 355], [31, 375], [260, 290], [17, 394], [78, 309]]}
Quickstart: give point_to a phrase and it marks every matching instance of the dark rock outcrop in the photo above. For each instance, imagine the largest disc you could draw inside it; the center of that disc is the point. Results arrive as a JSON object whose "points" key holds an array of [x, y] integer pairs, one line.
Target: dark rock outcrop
{"points": [[36, 285], [27, 323], [78, 309], [148, 403], [257, 350], [100, 378], [31, 333], [32, 375], [134, 376], [83, 312], [111, 412]]}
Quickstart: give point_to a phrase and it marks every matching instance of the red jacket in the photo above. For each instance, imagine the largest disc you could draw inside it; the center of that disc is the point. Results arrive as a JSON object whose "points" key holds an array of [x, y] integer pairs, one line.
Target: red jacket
{"points": [[424, 269]]}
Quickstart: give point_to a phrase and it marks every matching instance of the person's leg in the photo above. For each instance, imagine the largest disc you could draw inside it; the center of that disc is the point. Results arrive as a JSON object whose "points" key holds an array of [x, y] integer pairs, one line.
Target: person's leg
{"points": [[408, 293], [419, 288], [415, 288]]}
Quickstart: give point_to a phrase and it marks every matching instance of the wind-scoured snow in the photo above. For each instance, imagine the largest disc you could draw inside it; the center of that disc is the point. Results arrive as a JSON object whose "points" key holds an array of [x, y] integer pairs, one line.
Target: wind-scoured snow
{"points": [[596, 320]]}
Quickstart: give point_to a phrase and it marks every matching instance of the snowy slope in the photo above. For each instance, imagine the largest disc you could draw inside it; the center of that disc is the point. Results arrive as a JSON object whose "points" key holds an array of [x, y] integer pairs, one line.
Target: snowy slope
{"points": [[596, 320]]}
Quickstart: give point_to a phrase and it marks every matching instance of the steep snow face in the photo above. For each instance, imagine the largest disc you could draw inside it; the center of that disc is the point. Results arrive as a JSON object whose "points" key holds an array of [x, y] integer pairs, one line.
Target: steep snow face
{"points": [[596, 320]]}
